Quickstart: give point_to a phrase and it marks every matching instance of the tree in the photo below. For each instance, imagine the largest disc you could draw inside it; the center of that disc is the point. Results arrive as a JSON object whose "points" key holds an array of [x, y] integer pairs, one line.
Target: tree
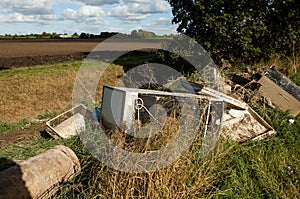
{"points": [[44, 34], [75, 35], [134, 34], [107, 34], [84, 36], [240, 30], [142, 34], [54, 35]]}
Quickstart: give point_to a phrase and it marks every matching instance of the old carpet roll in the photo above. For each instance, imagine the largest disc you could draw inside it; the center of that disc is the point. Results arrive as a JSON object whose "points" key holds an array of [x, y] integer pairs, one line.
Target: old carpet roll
{"points": [[39, 176]]}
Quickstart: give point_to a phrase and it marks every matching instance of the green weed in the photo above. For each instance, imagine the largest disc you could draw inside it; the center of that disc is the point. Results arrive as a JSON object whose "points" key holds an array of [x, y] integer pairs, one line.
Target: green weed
{"points": [[41, 70], [8, 127]]}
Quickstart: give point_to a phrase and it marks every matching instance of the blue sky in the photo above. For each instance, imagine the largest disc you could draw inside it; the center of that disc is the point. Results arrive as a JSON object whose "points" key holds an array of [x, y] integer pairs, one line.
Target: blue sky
{"points": [[90, 16]]}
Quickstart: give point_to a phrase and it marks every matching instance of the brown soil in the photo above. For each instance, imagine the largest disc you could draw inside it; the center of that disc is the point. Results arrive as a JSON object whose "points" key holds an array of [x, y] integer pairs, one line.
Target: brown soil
{"points": [[23, 135], [21, 53], [12, 62]]}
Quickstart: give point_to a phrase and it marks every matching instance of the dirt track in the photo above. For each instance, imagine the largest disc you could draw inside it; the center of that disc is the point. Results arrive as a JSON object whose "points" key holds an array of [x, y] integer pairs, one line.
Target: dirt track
{"points": [[23, 135], [20, 53]]}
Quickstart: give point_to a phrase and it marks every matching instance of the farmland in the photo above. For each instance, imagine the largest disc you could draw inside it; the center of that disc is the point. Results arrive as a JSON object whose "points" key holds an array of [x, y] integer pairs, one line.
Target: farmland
{"points": [[37, 84], [20, 53]]}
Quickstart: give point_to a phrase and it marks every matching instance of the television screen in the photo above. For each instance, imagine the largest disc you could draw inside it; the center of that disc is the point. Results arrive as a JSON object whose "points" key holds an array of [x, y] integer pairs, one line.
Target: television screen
{"points": [[113, 101]]}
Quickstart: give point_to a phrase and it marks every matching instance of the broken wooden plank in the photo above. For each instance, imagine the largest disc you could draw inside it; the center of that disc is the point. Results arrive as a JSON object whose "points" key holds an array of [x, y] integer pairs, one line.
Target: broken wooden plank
{"points": [[283, 82], [278, 96], [201, 90]]}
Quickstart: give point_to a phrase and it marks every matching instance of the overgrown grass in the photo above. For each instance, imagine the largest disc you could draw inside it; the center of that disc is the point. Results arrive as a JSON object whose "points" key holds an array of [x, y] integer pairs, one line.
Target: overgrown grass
{"points": [[256, 169], [295, 78], [261, 169]]}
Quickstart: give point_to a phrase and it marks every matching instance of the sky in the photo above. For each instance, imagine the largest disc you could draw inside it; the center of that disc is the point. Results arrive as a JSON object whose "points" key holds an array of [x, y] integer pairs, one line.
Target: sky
{"points": [[89, 16]]}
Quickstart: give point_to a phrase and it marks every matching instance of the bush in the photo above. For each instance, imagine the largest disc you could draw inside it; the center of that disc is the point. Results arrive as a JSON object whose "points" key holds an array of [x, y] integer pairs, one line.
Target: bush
{"points": [[240, 30]]}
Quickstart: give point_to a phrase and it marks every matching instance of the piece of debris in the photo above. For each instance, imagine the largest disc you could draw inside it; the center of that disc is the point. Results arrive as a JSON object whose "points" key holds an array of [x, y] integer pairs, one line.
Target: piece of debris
{"points": [[284, 82], [240, 122], [242, 125], [69, 123], [131, 108], [290, 170], [41, 175], [291, 121], [282, 92], [227, 89]]}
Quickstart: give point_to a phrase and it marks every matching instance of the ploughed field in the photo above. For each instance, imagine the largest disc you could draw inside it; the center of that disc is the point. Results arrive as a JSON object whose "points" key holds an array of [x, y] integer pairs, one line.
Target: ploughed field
{"points": [[21, 53]]}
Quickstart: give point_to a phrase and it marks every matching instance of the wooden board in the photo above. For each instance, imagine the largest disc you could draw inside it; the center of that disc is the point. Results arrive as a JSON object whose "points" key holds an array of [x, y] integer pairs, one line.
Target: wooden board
{"points": [[278, 96]]}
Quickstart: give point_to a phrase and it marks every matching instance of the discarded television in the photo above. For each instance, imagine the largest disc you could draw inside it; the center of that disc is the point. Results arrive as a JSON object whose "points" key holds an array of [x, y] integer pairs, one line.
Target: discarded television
{"points": [[129, 108]]}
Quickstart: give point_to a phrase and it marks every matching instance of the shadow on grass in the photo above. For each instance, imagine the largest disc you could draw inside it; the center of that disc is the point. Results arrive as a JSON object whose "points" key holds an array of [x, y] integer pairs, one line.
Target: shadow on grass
{"points": [[6, 163], [11, 180]]}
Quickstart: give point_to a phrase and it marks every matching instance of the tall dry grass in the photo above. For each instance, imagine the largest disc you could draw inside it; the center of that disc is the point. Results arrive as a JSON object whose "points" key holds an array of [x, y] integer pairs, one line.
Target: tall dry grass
{"points": [[33, 91]]}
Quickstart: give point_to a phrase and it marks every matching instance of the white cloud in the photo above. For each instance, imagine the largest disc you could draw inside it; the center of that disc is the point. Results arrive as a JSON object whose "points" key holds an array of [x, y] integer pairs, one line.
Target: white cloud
{"points": [[20, 18], [137, 1], [160, 26], [98, 2], [27, 11], [161, 6], [33, 7], [83, 13], [137, 10], [163, 21], [92, 15], [123, 13], [112, 29], [148, 6]]}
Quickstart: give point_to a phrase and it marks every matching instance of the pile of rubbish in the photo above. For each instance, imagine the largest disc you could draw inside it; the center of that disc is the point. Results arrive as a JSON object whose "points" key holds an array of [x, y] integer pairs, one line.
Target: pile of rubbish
{"points": [[121, 107]]}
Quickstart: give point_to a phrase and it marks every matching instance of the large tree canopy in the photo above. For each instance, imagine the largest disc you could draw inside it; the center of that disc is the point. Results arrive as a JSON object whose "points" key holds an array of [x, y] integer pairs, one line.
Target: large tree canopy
{"points": [[240, 30]]}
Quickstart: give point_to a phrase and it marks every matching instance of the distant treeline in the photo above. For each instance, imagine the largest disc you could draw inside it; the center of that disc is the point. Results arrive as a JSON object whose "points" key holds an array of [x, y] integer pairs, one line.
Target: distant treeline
{"points": [[103, 35]]}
